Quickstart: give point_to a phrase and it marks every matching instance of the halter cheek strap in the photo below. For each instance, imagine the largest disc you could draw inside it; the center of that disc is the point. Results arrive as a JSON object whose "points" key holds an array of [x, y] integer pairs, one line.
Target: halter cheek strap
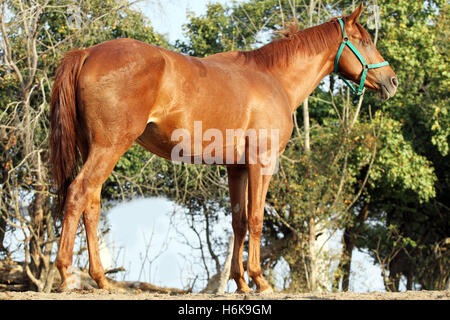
{"points": [[366, 67]]}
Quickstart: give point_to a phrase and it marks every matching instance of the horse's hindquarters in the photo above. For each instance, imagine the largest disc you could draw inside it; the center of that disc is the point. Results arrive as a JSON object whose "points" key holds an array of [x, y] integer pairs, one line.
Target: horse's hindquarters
{"points": [[117, 88]]}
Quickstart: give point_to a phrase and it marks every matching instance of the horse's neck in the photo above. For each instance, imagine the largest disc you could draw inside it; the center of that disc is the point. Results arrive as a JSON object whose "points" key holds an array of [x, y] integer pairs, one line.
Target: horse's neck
{"points": [[304, 74]]}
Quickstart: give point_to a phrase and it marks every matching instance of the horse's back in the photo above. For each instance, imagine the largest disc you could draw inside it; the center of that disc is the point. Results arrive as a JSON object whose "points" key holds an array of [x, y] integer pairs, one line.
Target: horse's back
{"points": [[143, 90]]}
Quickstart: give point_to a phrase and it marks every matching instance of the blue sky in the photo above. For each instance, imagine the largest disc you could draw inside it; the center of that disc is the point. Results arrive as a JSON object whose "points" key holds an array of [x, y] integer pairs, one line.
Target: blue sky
{"points": [[168, 16], [134, 224], [142, 222]]}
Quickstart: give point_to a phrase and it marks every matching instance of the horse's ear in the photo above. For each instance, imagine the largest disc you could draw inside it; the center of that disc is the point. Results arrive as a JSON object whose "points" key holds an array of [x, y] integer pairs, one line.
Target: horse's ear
{"points": [[353, 18]]}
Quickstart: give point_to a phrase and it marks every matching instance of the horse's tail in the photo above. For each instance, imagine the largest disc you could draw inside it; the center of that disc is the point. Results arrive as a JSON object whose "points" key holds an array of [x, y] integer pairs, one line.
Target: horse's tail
{"points": [[63, 118]]}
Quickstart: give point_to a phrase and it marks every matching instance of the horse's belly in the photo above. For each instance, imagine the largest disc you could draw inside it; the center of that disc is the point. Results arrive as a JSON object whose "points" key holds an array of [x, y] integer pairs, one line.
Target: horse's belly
{"points": [[156, 141], [181, 146]]}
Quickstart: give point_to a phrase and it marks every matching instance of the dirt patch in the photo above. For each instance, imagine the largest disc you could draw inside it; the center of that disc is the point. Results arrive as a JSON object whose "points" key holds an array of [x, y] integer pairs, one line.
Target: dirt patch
{"points": [[136, 295]]}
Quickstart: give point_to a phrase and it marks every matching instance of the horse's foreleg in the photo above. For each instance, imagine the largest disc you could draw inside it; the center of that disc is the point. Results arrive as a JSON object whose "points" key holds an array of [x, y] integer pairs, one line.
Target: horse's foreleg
{"points": [[258, 185], [238, 185]]}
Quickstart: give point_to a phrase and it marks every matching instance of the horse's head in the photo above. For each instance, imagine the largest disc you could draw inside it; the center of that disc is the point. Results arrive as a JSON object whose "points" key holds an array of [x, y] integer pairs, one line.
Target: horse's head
{"points": [[358, 59]]}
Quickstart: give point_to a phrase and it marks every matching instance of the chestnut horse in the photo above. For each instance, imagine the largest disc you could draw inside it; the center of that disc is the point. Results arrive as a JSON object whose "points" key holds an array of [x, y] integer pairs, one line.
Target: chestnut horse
{"points": [[117, 92]]}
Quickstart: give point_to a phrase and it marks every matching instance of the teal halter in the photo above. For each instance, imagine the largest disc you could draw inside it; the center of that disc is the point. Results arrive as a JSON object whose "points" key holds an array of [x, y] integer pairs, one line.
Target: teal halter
{"points": [[366, 67]]}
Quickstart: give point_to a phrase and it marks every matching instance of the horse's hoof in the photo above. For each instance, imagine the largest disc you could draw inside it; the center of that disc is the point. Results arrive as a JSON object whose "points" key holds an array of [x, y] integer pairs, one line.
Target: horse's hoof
{"points": [[103, 284], [115, 290], [63, 288], [265, 291], [243, 290], [110, 287]]}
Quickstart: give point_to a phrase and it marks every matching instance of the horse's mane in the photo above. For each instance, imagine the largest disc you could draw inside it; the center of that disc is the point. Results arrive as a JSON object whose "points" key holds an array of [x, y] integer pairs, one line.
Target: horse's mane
{"points": [[308, 42]]}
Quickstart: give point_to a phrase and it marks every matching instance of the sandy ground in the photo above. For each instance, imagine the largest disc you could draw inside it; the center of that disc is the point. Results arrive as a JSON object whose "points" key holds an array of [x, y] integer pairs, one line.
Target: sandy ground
{"points": [[136, 295]]}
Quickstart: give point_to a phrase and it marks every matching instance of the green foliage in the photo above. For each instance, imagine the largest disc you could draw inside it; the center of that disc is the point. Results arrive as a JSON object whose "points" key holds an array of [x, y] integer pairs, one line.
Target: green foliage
{"points": [[398, 165], [208, 35], [419, 54], [405, 186], [409, 174], [35, 36], [410, 177]]}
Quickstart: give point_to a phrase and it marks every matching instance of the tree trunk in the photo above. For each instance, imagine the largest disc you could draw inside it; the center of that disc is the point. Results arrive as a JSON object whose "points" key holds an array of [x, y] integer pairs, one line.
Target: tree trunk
{"points": [[348, 241], [346, 258], [218, 283], [2, 232], [311, 222], [313, 272]]}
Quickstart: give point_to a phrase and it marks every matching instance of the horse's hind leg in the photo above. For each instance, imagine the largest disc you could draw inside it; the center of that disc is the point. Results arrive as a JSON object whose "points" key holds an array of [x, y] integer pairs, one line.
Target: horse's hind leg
{"points": [[84, 197], [91, 218]]}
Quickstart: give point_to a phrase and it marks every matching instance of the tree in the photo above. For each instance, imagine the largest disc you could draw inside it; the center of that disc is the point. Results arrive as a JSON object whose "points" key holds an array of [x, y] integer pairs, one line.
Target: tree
{"points": [[307, 191], [378, 171], [34, 36], [407, 194], [366, 156]]}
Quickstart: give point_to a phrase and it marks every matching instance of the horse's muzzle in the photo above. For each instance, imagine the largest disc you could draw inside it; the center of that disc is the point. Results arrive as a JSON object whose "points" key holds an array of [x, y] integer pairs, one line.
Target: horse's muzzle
{"points": [[388, 88]]}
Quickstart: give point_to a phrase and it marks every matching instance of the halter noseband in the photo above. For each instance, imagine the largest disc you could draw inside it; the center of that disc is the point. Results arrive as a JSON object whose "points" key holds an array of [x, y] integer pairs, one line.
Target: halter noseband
{"points": [[366, 67]]}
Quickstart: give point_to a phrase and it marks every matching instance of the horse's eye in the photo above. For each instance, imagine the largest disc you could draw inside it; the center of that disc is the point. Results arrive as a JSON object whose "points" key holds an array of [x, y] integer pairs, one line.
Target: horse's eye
{"points": [[363, 43]]}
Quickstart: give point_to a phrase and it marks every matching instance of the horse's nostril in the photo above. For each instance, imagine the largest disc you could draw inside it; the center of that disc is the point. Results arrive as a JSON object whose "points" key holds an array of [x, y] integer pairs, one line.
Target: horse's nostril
{"points": [[394, 81]]}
